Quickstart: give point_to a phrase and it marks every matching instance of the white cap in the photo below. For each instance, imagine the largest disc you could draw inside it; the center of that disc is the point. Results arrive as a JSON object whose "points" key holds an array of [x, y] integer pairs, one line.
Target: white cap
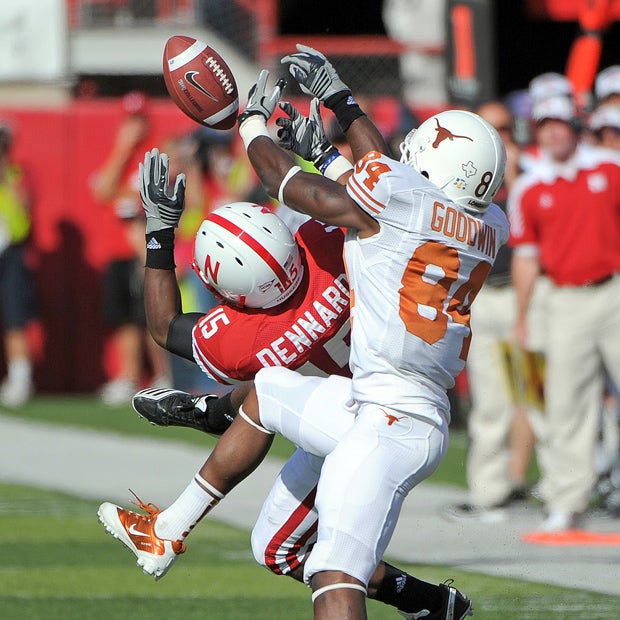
{"points": [[607, 82], [605, 116], [560, 108], [549, 85]]}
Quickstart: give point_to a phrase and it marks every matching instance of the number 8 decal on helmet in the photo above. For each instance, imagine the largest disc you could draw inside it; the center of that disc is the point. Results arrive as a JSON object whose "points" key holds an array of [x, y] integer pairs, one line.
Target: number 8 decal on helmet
{"points": [[460, 153]]}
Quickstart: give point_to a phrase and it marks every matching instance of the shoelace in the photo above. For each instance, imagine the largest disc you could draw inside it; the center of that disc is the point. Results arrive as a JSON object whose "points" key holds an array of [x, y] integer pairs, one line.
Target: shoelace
{"points": [[150, 508]]}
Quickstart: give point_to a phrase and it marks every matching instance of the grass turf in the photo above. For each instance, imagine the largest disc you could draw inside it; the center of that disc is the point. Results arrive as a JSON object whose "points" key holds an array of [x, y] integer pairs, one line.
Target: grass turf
{"points": [[58, 563]]}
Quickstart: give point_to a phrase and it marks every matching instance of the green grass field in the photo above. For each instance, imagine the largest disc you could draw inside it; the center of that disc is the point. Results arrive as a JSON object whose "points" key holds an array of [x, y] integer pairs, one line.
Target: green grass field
{"points": [[57, 562]]}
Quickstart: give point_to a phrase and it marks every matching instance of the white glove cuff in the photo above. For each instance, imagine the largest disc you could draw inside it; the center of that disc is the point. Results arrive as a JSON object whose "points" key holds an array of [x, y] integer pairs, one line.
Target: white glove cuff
{"points": [[337, 167], [253, 127]]}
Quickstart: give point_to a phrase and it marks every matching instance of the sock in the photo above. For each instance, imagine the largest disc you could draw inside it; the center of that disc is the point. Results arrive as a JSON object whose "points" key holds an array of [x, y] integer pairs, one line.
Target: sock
{"points": [[220, 413], [407, 593], [178, 520]]}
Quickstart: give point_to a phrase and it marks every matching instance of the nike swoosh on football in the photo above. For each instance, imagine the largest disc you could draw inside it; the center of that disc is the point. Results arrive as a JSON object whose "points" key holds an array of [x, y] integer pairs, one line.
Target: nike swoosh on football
{"points": [[189, 76], [135, 532]]}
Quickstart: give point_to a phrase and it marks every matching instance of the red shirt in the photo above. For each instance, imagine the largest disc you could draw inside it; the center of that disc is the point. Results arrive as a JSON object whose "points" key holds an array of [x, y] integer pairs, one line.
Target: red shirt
{"points": [[572, 214], [309, 332]]}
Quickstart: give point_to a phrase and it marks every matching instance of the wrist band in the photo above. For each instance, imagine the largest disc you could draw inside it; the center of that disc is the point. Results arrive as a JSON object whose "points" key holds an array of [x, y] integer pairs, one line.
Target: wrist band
{"points": [[345, 109], [326, 158], [287, 177], [253, 127], [160, 249], [336, 167]]}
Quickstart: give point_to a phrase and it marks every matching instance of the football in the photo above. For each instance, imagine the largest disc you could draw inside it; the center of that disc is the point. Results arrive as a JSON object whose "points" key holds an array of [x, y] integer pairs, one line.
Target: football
{"points": [[200, 82]]}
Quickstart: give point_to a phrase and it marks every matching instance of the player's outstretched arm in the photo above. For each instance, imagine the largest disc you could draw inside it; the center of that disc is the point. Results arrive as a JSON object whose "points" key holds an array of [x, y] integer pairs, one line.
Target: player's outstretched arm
{"points": [[163, 207], [317, 77], [308, 193]]}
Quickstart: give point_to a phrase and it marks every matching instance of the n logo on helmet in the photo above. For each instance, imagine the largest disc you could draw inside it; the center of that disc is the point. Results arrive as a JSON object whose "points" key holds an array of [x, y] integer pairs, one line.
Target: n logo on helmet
{"points": [[210, 270], [445, 134]]}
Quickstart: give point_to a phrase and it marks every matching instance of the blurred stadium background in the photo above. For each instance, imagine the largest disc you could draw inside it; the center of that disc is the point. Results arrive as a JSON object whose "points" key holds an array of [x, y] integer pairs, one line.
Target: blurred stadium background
{"points": [[65, 64]]}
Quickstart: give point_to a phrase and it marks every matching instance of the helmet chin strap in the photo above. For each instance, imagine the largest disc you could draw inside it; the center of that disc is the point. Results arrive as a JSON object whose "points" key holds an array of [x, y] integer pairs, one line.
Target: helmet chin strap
{"points": [[443, 183]]}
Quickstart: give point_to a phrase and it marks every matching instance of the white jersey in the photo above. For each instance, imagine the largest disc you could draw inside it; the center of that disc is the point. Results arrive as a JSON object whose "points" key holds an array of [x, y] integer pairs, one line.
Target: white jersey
{"points": [[412, 285]]}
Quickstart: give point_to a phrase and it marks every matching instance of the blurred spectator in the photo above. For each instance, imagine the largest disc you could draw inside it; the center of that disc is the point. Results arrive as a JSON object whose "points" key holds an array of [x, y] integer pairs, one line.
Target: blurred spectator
{"points": [[565, 222], [123, 286], [550, 85], [548, 91], [604, 123], [607, 86], [501, 439], [16, 282]]}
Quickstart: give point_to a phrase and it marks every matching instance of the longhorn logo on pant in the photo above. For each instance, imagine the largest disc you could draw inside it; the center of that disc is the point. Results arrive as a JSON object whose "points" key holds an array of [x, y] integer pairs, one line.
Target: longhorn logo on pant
{"points": [[391, 418]]}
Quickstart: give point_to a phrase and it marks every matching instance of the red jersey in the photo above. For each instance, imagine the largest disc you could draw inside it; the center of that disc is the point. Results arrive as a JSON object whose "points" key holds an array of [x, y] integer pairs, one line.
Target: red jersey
{"points": [[572, 214], [309, 332]]}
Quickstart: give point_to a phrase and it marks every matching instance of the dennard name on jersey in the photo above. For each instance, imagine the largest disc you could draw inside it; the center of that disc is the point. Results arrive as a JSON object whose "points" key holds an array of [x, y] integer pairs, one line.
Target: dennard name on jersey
{"points": [[306, 330]]}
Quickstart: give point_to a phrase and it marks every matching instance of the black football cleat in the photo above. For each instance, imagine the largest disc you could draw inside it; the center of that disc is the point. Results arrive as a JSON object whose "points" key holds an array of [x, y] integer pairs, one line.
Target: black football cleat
{"points": [[170, 407], [454, 606]]}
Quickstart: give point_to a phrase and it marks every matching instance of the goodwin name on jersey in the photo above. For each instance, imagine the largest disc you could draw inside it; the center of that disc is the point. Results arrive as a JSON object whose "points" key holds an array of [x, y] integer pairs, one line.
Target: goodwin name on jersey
{"points": [[464, 228]]}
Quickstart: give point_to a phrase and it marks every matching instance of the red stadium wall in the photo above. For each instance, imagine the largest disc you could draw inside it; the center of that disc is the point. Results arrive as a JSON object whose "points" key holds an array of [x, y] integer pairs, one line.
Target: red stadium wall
{"points": [[73, 236]]}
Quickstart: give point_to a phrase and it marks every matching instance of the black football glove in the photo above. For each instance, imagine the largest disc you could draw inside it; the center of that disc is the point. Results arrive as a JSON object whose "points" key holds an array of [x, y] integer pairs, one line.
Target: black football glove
{"points": [[305, 136]]}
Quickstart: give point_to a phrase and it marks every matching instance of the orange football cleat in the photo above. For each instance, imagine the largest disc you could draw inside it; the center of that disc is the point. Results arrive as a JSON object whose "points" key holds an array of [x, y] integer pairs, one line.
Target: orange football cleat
{"points": [[137, 532]]}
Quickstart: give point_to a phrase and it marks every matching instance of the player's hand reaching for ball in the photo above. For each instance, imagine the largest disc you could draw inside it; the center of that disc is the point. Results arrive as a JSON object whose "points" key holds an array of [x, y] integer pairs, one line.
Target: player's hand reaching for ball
{"points": [[314, 73], [305, 136], [162, 204], [260, 101]]}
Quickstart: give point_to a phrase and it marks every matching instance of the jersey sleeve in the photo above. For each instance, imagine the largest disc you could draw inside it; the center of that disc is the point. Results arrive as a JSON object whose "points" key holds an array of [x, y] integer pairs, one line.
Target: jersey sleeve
{"points": [[217, 341], [377, 181]]}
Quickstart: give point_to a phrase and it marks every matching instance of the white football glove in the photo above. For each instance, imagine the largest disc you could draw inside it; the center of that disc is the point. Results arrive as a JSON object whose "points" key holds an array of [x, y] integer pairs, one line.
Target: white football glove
{"points": [[259, 101], [315, 74], [163, 207]]}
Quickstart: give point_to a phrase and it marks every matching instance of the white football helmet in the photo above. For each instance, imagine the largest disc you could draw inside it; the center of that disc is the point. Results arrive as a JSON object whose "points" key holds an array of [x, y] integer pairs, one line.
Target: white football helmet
{"points": [[460, 153], [246, 255]]}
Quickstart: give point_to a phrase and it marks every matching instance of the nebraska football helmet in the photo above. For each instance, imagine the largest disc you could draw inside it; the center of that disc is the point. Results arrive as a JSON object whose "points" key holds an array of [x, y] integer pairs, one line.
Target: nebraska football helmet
{"points": [[246, 255], [460, 153]]}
